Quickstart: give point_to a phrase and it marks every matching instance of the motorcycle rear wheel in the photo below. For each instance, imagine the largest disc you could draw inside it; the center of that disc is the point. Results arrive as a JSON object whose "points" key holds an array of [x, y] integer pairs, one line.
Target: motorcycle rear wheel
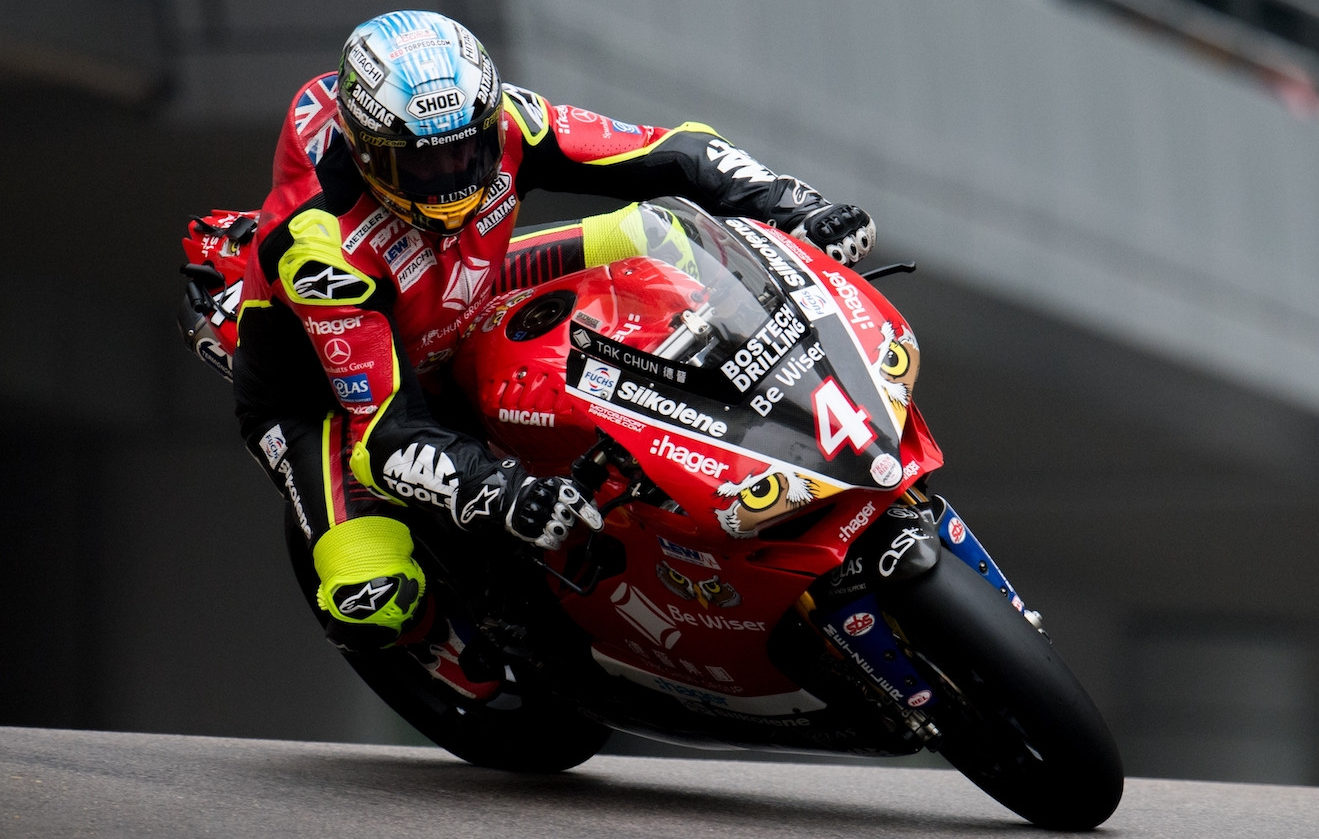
{"points": [[526, 730], [537, 733], [1013, 718]]}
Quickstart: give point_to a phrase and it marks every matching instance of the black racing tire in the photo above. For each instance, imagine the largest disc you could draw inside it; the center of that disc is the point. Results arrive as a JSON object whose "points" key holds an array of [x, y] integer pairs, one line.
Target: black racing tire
{"points": [[1012, 716], [534, 733], [524, 729]]}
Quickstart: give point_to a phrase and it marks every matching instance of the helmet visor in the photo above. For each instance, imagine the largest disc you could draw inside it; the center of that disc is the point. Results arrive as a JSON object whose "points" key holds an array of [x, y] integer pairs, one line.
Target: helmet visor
{"points": [[437, 169], [447, 217]]}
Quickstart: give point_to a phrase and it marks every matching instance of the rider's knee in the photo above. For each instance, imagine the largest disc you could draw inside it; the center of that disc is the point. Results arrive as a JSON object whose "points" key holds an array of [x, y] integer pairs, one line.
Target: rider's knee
{"points": [[370, 584]]}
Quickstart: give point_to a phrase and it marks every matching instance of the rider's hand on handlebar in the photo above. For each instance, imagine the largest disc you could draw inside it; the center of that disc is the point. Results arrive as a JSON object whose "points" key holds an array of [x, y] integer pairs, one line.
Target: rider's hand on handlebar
{"points": [[844, 231], [544, 510]]}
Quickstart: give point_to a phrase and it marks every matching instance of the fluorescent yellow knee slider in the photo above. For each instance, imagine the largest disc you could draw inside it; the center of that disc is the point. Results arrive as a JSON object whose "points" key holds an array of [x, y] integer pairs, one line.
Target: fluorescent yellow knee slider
{"points": [[367, 572]]}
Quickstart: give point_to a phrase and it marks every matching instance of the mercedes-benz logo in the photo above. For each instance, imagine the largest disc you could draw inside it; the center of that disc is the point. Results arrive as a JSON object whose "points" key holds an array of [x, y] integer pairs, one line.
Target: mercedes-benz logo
{"points": [[337, 351]]}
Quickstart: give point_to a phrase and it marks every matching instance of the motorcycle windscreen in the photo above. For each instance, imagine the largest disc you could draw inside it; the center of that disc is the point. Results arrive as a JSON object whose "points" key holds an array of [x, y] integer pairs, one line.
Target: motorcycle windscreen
{"points": [[754, 354]]}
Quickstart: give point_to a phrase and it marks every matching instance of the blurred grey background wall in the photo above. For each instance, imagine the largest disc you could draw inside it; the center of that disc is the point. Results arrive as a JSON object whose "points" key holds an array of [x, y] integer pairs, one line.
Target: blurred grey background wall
{"points": [[1113, 204]]}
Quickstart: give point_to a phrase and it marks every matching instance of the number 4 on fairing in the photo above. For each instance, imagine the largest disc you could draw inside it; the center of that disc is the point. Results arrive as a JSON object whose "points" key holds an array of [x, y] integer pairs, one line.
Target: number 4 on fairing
{"points": [[838, 421]]}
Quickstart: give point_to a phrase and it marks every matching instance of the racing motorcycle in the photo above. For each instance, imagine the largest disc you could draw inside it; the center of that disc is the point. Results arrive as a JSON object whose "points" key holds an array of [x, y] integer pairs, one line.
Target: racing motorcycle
{"points": [[773, 573]]}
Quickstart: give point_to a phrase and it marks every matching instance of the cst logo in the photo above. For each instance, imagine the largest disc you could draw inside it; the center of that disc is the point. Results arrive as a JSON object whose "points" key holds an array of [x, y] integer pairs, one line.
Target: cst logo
{"points": [[599, 380]]}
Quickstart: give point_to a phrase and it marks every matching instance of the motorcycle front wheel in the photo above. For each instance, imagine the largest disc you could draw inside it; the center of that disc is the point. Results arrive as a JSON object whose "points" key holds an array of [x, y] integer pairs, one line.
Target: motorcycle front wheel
{"points": [[1012, 716]]}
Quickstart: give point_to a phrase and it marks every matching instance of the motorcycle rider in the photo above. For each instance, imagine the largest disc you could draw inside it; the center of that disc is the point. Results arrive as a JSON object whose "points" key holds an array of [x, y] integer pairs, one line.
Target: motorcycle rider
{"points": [[397, 182]]}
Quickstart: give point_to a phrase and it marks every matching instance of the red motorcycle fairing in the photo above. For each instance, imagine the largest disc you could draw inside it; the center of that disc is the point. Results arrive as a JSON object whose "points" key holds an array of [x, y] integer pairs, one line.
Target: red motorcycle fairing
{"points": [[769, 402], [745, 405], [216, 250]]}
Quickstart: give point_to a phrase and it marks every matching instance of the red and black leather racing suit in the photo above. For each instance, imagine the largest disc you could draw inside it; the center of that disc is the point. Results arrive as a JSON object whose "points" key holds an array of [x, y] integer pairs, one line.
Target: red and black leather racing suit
{"points": [[349, 314]]}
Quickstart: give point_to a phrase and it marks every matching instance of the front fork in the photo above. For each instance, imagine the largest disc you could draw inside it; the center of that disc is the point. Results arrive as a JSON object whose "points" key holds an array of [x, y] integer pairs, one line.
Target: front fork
{"points": [[914, 533]]}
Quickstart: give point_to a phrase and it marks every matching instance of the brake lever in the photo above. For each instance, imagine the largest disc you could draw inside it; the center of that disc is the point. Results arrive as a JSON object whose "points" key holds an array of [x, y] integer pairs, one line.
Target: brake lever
{"points": [[875, 274]]}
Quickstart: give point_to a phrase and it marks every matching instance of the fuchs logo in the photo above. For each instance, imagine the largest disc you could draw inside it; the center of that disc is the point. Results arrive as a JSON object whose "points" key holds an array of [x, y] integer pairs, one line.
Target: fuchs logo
{"points": [[599, 380], [813, 302], [421, 473], [427, 105], [274, 446]]}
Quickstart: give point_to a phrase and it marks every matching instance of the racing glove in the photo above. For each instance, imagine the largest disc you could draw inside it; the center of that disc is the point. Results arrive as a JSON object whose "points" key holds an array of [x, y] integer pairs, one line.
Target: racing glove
{"points": [[541, 511], [844, 231], [544, 510]]}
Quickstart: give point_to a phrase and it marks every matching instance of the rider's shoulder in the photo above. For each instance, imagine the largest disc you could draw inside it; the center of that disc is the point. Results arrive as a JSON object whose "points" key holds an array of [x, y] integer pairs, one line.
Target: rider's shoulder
{"points": [[316, 93], [528, 109]]}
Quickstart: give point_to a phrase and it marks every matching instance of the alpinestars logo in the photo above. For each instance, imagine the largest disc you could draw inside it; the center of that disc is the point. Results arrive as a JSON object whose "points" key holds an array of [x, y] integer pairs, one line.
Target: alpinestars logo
{"points": [[480, 505], [530, 107], [370, 597], [329, 284], [420, 473]]}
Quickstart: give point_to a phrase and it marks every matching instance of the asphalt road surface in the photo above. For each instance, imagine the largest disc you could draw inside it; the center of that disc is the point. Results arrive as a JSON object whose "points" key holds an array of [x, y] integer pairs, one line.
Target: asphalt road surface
{"points": [[56, 784]]}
